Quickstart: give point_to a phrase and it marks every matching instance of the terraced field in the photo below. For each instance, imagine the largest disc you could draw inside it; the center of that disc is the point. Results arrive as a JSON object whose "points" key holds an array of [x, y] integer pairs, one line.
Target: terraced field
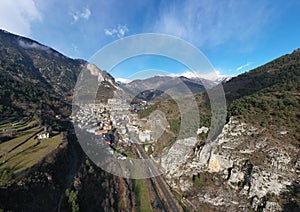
{"points": [[19, 154]]}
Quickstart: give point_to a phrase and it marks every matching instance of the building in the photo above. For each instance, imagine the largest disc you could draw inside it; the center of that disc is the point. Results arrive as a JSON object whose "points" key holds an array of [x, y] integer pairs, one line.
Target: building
{"points": [[202, 130], [145, 136], [43, 135]]}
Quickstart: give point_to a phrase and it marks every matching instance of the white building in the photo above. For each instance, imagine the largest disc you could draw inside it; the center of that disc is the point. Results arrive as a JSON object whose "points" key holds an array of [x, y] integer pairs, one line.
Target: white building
{"points": [[43, 135], [145, 135], [203, 129]]}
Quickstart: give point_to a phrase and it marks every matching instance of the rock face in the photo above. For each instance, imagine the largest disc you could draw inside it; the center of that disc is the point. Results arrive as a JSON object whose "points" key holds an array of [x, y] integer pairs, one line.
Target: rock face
{"points": [[102, 75], [245, 167], [177, 154], [219, 163]]}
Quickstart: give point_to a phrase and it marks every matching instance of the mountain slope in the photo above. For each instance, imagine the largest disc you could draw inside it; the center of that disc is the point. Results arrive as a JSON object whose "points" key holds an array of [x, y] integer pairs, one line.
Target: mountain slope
{"points": [[150, 88], [34, 76], [36, 90], [254, 163], [35, 61], [279, 74], [268, 95]]}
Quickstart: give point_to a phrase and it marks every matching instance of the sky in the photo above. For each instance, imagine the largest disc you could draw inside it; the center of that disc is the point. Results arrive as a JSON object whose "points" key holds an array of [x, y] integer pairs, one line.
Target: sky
{"points": [[235, 36]]}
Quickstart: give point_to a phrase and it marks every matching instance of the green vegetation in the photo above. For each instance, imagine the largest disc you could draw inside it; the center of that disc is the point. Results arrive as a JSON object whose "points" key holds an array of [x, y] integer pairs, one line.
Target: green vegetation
{"points": [[129, 154], [16, 96], [90, 167], [6, 176], [269, 95], [265, 108], [146, 113], [141, 192], [34, 82], [39, 85], [16, 123], [19, 158], [13, 143], [175, 126], [197, 180], [201, 179], [73, 199]]}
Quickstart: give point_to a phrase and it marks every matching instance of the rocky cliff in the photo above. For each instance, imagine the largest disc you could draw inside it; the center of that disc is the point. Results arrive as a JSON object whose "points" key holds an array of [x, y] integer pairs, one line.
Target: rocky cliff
{"points": [[244, 168]]}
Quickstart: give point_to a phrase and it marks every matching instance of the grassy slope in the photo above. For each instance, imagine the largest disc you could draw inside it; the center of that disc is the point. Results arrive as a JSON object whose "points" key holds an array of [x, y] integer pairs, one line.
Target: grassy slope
{"points": [[9, 145], [141, 191], [17, 159]]}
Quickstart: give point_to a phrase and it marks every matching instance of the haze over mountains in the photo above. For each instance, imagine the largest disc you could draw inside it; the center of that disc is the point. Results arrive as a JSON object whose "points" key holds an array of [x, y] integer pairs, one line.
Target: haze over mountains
{"points": [[252, 165]]}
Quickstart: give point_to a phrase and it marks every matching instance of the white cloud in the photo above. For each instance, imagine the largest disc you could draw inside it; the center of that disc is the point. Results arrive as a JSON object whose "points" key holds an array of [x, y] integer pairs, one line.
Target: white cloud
{"points": [[110, 32], [17, 16], [123, 80], [84, 14], [243, 66], [27, 45], [213, 22], [120, 31]]}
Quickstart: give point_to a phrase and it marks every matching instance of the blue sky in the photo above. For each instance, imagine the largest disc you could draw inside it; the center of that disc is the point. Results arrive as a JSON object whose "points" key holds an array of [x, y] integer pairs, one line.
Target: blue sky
{"points": [[235, 36]]}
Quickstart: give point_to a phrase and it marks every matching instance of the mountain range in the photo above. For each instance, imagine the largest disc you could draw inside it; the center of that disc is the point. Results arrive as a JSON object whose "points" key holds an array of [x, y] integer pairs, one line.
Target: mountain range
{"points": [[253, 165]]}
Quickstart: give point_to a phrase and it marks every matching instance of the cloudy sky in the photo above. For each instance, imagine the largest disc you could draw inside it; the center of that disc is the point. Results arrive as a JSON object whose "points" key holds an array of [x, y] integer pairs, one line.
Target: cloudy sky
{"points": [[235, 36]]}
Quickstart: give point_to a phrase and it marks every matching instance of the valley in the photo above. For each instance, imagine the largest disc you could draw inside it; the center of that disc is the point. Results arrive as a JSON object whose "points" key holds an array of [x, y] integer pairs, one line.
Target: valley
{"points": [[59, 153]]}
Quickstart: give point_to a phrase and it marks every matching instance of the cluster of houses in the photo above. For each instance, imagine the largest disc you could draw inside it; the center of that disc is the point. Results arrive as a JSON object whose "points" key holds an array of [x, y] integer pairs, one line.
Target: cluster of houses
{"points": [[141, 105], [127, 122], [103, 119], [94, 118]]}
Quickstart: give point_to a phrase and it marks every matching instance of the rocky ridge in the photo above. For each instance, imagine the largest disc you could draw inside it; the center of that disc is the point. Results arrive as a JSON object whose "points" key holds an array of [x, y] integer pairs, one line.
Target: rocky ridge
{"points": [[245, 167]]}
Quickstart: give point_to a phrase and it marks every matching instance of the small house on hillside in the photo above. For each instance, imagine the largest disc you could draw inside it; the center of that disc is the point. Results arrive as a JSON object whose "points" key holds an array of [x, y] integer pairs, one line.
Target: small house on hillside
{"points": [[43, 135]]}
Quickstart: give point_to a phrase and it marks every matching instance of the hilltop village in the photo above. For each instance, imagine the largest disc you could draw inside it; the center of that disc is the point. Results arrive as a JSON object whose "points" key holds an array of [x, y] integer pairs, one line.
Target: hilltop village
{"points": [[115, 125]]}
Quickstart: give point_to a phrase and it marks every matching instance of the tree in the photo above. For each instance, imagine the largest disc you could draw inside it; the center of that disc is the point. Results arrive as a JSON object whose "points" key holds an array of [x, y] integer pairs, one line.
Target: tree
{"points": [[73, 199]]}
